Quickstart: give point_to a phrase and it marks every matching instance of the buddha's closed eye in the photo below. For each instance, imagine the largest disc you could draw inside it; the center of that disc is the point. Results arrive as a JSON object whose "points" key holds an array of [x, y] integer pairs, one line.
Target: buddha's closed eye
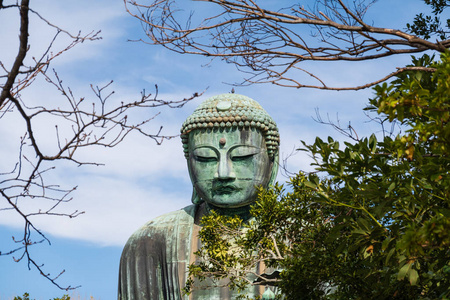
{"points": [[205, 155], [242, 153]]}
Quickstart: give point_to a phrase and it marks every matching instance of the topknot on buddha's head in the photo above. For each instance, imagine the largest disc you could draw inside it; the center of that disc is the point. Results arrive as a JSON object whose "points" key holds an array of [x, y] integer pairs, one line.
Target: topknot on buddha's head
{"points": [[228, 112]]}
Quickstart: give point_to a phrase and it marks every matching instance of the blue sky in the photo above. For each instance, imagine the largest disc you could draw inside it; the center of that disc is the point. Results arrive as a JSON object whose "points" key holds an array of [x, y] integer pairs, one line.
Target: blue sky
{"points": [[141, 180]]}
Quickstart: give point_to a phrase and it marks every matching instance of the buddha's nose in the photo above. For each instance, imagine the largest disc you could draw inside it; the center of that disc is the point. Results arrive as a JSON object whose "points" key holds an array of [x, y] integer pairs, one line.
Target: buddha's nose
{"points": [[225, 169]]}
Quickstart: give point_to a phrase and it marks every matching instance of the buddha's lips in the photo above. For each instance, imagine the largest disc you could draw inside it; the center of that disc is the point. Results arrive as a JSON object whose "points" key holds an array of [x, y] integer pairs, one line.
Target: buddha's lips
{"points": [[224, 189]]}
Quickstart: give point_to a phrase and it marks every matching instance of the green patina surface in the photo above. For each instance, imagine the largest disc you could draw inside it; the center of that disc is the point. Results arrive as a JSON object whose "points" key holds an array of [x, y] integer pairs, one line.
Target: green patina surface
{"points": [[231, 146], [226, 165]]}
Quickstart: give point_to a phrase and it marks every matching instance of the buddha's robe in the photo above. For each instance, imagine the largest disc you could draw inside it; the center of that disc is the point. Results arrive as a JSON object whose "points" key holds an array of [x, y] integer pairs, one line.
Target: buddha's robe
{"points": [[155, 259]]}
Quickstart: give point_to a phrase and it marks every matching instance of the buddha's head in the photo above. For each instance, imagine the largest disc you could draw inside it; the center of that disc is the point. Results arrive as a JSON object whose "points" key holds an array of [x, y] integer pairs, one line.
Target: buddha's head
{"points": [[231, 147]]}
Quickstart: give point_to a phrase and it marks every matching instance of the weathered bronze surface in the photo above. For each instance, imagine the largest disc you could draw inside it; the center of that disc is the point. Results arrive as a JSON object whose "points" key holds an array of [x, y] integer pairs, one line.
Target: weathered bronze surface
{"points": [[231, 146]]}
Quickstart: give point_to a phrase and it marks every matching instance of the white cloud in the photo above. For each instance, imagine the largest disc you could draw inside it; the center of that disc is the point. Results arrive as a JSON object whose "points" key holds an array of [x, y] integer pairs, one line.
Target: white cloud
{"points": [[115, 208]]}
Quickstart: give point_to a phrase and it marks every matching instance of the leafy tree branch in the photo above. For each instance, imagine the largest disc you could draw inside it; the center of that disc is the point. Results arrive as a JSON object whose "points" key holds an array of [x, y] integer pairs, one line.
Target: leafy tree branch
{"points": [[372, 221]]}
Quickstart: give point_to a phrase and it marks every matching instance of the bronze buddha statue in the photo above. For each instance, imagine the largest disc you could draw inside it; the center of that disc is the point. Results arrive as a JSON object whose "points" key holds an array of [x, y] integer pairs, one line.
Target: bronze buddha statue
{"points": [[231, 146]]}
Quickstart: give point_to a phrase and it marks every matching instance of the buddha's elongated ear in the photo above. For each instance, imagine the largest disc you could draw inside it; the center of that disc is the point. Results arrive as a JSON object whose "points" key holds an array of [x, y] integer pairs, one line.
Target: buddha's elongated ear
{"points": [[274, 172]]}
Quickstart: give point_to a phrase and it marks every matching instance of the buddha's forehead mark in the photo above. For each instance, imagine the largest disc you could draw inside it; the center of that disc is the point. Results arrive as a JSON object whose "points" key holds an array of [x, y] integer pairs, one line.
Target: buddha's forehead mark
{"points": [[222, 141]]}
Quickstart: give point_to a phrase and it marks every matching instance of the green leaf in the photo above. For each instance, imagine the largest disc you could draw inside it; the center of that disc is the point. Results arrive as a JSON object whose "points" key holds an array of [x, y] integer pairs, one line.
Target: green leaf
{"points": [[404, 271], [413, 277], [389, 255]]}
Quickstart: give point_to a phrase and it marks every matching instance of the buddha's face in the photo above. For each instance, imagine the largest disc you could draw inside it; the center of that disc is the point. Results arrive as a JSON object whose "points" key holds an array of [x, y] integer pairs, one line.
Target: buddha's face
{"points": [[226, 166]]}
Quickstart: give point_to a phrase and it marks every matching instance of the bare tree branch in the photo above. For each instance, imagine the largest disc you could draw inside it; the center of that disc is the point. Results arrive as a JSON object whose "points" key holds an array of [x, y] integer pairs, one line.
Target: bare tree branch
{"points": [[80, 123], [270, 44], [23, 47]]}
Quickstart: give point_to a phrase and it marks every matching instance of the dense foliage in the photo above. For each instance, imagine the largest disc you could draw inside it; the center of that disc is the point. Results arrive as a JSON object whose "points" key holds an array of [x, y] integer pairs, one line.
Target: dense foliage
{"points": [[372, 222]]}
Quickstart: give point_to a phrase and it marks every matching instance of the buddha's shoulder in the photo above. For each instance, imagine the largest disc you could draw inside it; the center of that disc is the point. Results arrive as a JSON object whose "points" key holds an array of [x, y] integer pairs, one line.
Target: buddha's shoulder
{"points": [[167, 222]]}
